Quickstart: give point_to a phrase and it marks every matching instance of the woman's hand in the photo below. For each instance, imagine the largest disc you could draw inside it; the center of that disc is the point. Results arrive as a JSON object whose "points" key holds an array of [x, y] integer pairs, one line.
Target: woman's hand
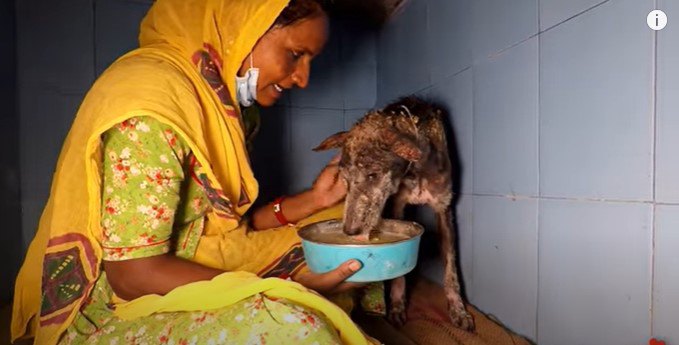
{"points": [[329, 187], [333, 281]]}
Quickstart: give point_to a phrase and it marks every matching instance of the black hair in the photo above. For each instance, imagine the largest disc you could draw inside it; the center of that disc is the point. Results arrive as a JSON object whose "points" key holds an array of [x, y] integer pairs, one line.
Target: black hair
{"points": [[298, 10]]}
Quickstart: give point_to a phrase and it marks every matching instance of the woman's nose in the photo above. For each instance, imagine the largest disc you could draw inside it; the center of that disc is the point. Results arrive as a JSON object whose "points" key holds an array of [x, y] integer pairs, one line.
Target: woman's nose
{"points": [[301, 75]]}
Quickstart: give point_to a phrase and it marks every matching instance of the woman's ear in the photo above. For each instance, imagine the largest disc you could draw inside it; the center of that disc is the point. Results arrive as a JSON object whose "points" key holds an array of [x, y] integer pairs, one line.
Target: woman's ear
{"points": [[332, 142]]}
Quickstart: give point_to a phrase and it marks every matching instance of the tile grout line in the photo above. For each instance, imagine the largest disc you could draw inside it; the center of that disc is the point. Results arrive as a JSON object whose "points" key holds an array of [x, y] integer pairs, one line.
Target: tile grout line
{"points": [[539, 191], [654, 126], [497, 53]]}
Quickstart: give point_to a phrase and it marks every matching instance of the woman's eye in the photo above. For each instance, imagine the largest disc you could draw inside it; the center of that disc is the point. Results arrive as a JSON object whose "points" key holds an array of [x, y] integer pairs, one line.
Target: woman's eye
{"points": [[295, 55]]}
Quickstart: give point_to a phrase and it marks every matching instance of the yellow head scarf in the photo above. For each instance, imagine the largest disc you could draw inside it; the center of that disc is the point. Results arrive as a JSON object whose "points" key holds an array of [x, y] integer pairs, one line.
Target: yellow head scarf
{"points": [[184, 76]]}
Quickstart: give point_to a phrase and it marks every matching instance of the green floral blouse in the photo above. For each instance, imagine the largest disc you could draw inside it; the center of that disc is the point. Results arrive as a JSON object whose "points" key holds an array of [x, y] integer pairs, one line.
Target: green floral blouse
{"points": [[149, 206]]}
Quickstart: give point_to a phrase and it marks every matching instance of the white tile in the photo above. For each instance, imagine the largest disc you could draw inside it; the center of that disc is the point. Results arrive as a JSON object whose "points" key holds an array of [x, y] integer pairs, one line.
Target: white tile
{"points": [[55, 45], [402, 54], [499, 24], [595, 105], [116, 29], [505, 122], [667, 123], [553, 12], [594, 272], [505, 260], [666, 276], [448, 37], [309, 128], [454, 94]]}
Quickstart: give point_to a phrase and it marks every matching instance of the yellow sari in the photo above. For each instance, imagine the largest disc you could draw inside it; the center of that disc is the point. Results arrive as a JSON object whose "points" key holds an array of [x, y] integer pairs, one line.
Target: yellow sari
{"points": [[188, 47]]}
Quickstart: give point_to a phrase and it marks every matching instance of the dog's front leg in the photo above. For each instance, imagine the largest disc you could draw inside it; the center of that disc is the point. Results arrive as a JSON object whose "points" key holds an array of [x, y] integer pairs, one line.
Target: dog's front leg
{"points": [[451, 283], [397, 294]]}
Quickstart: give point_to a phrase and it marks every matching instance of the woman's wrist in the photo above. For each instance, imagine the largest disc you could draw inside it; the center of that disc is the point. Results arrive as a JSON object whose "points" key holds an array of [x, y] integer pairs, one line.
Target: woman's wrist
{"points": [[317, 200]]}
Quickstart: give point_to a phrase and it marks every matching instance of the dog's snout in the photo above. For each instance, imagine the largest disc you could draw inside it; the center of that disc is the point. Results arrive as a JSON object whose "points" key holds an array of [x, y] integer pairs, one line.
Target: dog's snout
{"points": [[352, 229]]}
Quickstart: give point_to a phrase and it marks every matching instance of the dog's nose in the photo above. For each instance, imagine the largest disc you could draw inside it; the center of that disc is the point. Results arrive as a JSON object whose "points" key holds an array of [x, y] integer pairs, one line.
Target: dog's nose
{"points": [[352, 229]]}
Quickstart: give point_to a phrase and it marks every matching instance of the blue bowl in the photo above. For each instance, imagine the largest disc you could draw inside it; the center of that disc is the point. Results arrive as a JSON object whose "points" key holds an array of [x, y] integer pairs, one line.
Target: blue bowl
{"points": [[381, 261]]}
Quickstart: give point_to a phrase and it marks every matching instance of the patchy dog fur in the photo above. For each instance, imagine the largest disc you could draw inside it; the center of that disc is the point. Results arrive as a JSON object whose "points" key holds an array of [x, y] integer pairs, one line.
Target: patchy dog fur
{"points": [[402, 151]]}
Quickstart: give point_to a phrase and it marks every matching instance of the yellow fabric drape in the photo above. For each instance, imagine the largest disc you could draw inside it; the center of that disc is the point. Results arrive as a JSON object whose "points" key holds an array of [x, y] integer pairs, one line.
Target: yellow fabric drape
{"points": [[210, 295], [163, 79]]}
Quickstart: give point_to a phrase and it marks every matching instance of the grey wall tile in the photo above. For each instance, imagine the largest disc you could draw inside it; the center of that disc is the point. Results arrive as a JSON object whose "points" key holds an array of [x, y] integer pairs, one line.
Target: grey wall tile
{"points": [[448, 37], [31, 210], [54, 45], [358, 56], [43, 128], [667, 123], [309, 127], [595, 104], [359, 86], [325, 83], [505, 122], [402, 54], [117, 29], [594, 272], [666, 277], [454, 94], [505, 261], [499, 24], [11, 248], [553, 12], [270, 153], [351, 116]]}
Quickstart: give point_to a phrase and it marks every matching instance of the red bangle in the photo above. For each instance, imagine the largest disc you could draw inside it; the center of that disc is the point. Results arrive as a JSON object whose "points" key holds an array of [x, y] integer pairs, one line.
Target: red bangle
{"points": [[278, 212]]}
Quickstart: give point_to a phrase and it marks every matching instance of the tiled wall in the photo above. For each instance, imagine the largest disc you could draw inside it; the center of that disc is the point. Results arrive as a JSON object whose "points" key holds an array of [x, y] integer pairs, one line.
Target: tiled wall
{"points": [[566, 126], [10, 207]]}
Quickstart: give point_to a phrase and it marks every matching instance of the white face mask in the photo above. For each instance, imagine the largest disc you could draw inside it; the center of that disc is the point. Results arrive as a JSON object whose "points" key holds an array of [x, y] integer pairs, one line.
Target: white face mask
{"points": [[246, 86]]}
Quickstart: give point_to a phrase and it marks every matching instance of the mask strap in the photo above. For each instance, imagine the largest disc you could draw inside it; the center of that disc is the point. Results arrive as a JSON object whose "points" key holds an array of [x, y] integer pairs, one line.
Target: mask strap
{"points": [[252, 65]]}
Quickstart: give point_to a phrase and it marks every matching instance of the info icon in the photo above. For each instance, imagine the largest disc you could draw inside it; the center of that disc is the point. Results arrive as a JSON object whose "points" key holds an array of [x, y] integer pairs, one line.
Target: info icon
{"points": [[656, 20]]}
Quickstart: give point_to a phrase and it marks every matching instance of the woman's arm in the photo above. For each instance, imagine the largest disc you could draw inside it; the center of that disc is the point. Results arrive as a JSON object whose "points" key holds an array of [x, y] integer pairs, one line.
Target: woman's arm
{"points": [[154, 275], [328, 189]]}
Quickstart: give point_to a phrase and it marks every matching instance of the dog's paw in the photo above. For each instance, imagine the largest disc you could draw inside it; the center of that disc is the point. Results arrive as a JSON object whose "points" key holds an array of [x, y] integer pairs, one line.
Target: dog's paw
{"points": [[461, 319], [397, 314]]}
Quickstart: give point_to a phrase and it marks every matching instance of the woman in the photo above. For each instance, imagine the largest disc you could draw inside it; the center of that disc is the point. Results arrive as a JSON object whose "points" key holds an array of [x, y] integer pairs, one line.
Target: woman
{"points": [[153, 184]]}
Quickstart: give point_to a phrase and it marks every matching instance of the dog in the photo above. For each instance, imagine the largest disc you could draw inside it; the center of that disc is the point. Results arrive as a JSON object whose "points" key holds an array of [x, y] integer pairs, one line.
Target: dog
{"points": [[401, 151]]}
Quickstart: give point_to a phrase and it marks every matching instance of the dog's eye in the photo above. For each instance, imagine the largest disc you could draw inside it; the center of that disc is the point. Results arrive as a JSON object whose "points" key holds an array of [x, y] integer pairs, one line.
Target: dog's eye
{"points": [[372, 176]]}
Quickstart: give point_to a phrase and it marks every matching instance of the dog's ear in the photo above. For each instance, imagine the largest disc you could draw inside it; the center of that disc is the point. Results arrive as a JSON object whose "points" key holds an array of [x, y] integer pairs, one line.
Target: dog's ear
{"points": [[402, 146], [406, 149], [332, 142]]}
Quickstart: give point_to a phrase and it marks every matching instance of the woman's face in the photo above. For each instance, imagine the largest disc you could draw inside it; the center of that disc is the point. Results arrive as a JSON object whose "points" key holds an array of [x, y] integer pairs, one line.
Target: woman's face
{"points": [[283, 56]]}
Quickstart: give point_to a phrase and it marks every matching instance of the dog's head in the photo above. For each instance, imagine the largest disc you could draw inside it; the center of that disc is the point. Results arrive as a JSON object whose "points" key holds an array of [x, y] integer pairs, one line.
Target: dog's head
{"points": [[375, 157]]}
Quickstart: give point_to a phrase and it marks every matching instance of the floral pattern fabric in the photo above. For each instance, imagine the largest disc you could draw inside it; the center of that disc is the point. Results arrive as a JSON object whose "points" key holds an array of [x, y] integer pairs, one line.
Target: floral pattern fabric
{"points": [[146, 193], [153, 203]]}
